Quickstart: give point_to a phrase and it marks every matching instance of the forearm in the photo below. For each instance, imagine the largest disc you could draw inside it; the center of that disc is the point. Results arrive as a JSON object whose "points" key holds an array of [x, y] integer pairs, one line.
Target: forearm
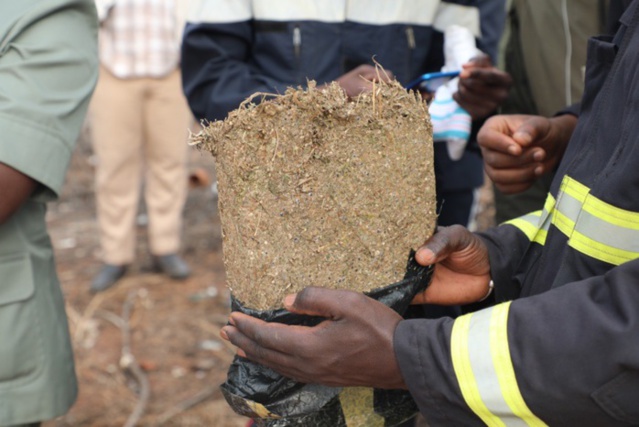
{"points": [[526, 360], [15, 188]]}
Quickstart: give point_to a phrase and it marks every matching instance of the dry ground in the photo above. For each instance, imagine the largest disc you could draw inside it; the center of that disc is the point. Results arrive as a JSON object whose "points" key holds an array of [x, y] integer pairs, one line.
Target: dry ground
{"points": [[173, 325]]}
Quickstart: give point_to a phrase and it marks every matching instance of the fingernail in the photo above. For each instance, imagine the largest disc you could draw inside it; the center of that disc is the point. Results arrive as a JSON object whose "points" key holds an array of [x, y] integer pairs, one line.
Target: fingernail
{"points": [[538, 156], [231, 320], [241, 353], [539, 171], [512, 149], [289, 300], [425, 255], [223, 334], [522, 136]]}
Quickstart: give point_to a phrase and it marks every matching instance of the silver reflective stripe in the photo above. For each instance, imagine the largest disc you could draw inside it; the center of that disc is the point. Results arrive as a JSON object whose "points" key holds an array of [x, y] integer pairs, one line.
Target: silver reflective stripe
{"points": [[480, 353], [596, 228], [606, 233], [481, 360]]}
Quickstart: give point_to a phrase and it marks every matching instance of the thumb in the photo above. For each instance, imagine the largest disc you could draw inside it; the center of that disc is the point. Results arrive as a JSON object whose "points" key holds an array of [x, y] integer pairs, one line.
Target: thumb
{"points": [[441, 244], [313, 301], [531, 131]]}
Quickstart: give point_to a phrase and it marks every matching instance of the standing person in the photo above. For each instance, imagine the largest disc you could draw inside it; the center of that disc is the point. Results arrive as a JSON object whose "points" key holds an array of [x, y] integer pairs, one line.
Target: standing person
{"points": [[139, 123], [559, 347], [545, 53], [235, 48], [48, 69]]}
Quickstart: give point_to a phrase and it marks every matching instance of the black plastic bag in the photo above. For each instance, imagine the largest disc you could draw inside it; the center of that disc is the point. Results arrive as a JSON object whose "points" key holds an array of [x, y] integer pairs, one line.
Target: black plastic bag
{"points": [[272, 400]]}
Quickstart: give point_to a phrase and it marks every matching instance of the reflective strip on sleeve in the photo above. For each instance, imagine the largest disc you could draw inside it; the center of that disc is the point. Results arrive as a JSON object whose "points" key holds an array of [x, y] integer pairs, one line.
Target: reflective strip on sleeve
{"points": [[484, 369], [528, 224], [594, 228], [535, 225]]}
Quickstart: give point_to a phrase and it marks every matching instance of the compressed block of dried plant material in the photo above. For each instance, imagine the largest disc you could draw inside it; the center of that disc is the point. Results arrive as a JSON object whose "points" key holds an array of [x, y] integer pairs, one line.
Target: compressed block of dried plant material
{"points": [[316, 189]]}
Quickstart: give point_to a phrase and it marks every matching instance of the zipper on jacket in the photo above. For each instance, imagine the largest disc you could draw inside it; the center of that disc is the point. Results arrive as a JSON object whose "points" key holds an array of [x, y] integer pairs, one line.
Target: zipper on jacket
{"points": [[410, 37], [297, 49], [410, 40], [297, 41]]}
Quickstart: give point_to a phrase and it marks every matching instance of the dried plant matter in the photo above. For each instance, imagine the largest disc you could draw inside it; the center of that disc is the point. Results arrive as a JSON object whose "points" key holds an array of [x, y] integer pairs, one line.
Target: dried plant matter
{"points": [[316, 189]]}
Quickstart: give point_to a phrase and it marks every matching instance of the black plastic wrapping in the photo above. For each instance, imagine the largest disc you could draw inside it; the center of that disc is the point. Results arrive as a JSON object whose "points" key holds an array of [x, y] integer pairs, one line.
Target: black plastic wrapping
{"points": [[272, 400]]}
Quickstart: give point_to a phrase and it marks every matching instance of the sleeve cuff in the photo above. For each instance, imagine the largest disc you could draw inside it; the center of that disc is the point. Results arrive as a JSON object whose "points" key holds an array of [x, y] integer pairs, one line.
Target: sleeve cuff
{"points": [[36, 152]]}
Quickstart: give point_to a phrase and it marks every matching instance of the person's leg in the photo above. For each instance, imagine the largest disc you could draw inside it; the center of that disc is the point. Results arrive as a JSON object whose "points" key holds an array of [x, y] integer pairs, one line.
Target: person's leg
{"points": [[167, 119], [116, 129]]}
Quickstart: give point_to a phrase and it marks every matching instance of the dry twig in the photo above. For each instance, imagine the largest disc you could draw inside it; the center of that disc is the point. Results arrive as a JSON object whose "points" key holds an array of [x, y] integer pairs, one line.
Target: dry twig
{"points": [[187, 404]]}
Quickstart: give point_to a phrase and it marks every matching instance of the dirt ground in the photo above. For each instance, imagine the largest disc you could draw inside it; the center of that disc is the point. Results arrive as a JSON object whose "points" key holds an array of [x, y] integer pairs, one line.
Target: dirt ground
{"points": [[171, 327]]}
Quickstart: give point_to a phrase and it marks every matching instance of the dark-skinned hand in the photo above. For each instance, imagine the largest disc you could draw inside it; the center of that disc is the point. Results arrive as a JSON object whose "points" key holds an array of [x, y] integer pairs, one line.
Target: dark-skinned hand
{"points": [[361, 78], [352, 347], [518, 149], [482, 87], [462, 269]]}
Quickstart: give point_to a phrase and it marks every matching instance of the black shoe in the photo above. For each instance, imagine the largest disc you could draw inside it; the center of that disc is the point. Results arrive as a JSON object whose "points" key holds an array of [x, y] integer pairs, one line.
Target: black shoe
{"points": [[172, 265], [107, 277]]}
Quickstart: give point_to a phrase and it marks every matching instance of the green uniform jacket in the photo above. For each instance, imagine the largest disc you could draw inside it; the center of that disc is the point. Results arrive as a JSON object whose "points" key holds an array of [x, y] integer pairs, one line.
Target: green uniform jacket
{"points": [[48, 69]]}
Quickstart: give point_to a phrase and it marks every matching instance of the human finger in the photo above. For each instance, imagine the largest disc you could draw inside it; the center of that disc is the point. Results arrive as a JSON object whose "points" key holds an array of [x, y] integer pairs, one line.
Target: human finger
{"points": [[330, 303], [498, 160], [445, 241], [266, 335], [532, 130], [494, 139], [477, 106], [284, 363], [488, 77]]}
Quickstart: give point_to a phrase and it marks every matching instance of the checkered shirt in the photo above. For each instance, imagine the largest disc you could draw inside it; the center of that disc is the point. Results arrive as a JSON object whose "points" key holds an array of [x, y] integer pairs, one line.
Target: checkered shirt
{"points": [[138, 38]]}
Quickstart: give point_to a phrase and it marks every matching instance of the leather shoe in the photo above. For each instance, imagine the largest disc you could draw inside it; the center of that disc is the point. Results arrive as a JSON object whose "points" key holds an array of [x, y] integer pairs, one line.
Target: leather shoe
{"points": [[172, 265], [107, 277]]}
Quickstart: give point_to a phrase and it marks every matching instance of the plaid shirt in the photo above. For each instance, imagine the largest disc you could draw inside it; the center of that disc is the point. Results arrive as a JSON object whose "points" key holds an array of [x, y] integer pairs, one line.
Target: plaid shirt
{"points": [[138, 38]]}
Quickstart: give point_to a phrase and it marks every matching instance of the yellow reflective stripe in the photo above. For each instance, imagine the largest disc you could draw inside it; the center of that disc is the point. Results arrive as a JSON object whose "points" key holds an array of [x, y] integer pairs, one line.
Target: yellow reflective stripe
{"points": [[596, 228], [481, 360], [500, 350], [549, 204], [358, 406], [464, 371], [593, 227], [540, 237], [574, 188], [600, 251], [563, 223], [530, 224], [611, 214], [526, 227]]}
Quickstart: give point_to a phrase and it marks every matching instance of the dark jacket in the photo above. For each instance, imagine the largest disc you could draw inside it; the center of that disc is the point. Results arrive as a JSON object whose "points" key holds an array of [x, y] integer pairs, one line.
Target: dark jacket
{"points": [[562, 347], [236, 48]]}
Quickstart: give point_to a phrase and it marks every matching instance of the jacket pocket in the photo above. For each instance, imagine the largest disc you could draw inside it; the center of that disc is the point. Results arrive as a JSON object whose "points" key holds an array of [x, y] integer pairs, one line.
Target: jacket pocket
{"points": [[619, 397], [19, 334]]}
